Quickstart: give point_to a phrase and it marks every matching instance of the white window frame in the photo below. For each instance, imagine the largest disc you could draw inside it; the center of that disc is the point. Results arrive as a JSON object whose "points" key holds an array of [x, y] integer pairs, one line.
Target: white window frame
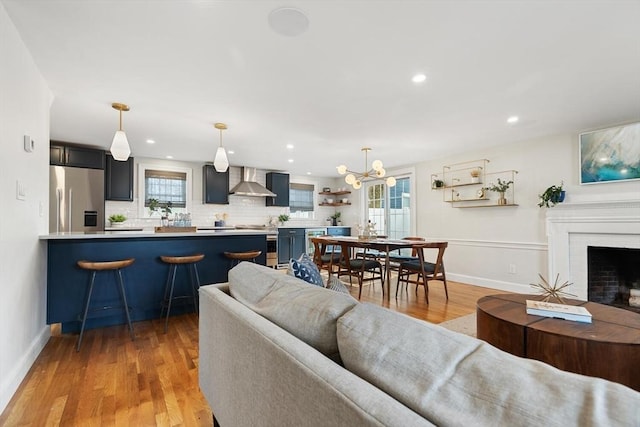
{"points": [[143, 211]]}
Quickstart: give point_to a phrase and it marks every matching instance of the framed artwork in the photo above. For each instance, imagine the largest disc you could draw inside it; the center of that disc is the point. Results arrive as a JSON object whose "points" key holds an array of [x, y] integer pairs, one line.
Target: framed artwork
{"points": [[610, 155]]}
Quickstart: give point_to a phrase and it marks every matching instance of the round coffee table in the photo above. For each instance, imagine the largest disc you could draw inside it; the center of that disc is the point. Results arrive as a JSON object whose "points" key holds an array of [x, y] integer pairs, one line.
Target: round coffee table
{"points": [[609, 347]]}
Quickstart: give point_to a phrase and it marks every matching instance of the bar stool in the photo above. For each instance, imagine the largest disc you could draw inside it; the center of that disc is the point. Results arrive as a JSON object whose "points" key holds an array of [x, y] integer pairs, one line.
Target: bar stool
{"points": [[236, 257], [94, 267], [174, 262]]}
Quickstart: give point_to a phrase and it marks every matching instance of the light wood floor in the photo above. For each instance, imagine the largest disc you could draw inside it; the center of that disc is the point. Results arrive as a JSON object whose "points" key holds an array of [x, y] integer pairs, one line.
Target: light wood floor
{"points": [[154, 379]]}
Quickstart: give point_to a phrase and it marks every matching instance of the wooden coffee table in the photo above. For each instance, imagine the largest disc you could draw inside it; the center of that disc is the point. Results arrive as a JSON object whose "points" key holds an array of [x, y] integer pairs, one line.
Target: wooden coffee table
{"points": [[607, 348]]}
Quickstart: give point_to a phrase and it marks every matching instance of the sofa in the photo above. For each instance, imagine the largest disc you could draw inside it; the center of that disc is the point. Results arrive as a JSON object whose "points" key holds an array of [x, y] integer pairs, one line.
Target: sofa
{"points": [[276, 351]]}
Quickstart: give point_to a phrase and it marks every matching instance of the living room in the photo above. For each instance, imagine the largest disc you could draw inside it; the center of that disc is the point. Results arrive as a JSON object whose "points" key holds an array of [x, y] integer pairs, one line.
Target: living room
{"points": [[484, 243]]}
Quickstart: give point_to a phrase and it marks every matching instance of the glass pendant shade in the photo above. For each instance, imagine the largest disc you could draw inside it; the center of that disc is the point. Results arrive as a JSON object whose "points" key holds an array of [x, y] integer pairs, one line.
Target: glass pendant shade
{"points": [[350, 179], [376, 165], [342, 169], [221, 162], [120, 146], [391, 181], [357, 185]]}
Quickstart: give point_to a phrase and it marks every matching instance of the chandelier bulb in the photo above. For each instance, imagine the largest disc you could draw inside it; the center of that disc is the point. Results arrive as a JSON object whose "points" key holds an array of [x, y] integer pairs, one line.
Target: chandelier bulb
{"points": [[357, 185], [342, 169], [391, 181], [380, 173], [376, 165], [350, 179]]}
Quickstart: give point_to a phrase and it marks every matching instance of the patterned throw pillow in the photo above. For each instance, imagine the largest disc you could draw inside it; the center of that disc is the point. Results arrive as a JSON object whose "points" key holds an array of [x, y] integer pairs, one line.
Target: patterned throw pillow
{"points": [[304, 268], [337, 285]]}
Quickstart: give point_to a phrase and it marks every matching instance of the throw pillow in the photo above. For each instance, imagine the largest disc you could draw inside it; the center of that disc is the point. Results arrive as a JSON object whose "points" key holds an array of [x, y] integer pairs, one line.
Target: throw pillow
{"points": [[304, 268], [337, 285]]}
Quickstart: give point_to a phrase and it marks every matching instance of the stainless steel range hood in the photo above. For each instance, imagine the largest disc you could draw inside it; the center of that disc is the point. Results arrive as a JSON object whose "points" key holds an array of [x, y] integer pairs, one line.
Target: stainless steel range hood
{"points": [[249, 186]]}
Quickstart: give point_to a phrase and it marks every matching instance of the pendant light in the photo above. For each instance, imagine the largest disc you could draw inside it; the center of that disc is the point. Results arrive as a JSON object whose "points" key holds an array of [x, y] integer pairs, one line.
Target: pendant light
{"points": [[120, 149], [221, 162]]}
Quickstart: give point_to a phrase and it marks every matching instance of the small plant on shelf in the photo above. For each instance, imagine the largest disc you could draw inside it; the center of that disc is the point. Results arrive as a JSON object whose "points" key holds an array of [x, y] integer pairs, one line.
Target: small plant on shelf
{"points": [[438, 183], [552, 196], [153, 206], [335, 218], [501, 187], [475, 175]]}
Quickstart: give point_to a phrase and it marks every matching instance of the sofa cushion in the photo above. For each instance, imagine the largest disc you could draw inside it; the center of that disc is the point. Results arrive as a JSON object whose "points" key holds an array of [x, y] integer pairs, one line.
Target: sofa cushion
{"points": [[304, 268], [308, 312], [337, 285], [453, 379]]}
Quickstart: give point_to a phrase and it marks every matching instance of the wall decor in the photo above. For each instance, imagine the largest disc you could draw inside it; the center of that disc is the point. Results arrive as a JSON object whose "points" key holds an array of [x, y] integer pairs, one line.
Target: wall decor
{"points": [[610, 155]]}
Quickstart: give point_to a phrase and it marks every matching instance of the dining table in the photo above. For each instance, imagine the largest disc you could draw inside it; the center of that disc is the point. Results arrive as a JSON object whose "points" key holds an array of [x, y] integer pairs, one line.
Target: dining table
{"points": [[382, 245]]}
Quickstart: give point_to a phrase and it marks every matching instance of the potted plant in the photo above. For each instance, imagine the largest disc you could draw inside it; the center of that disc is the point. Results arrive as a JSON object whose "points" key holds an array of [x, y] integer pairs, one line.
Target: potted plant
{"points": [[501, 187], [475, 175], [335, 218], [117, 220], [552, 196], [438, 183], [153, 206], [283, 218]]}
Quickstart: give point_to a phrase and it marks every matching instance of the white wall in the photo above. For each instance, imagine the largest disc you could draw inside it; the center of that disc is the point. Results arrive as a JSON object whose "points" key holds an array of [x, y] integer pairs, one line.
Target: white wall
{"points": [[485, 243], [24, 109]]}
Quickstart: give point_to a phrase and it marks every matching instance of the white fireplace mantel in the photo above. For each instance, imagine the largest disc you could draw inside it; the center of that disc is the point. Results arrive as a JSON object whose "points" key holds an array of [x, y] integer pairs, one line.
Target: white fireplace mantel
{"points": [[573, 227]]}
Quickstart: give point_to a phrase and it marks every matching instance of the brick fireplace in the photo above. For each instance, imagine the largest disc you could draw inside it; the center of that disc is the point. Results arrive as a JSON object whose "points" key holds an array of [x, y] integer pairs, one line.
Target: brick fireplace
{"points": [[572, 228], [612, 272]]}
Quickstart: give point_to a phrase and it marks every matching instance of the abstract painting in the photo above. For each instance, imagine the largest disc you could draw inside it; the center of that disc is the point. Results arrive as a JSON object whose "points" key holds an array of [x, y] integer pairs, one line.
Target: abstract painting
{"points": [[610, 155]]}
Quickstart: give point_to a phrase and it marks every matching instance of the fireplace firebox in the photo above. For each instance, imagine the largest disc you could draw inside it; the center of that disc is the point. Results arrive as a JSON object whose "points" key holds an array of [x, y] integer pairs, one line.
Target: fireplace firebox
{"points": [[612, 273]]}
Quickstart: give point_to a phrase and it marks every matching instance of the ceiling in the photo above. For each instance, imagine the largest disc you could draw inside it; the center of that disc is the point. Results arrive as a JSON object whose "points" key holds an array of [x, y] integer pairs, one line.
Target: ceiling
{"points": [[345, 83]]}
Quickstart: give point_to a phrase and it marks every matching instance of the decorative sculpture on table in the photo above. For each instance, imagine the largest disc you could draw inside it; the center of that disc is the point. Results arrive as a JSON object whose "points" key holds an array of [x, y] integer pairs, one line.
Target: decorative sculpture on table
{"points": [[548, 291]]}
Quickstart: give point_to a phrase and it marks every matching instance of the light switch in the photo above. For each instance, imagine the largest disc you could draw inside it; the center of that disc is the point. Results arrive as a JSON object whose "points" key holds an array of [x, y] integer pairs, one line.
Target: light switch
{"points": [[21, 191]]}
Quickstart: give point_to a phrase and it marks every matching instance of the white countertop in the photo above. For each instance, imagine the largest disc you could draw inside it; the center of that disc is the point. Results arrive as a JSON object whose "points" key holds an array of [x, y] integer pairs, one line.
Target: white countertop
{"points": [[149, 234]]}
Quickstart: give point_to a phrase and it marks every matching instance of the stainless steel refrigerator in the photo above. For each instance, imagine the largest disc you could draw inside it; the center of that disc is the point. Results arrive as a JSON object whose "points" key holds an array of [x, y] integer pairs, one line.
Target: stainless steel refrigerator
{"points": [[76, 199]]}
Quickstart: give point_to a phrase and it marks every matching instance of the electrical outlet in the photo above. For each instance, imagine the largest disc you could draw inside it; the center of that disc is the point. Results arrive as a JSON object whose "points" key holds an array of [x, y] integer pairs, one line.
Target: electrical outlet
{"points": [[512, 269]]}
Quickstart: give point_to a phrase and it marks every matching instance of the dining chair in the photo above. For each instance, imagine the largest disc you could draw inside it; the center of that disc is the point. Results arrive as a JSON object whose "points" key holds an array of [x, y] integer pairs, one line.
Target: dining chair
{"points": [[325, 255], [361, 267], [423, 270], [397, 257]]}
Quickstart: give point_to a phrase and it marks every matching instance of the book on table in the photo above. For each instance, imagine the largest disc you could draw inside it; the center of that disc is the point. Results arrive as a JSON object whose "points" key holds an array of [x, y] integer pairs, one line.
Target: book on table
{"points": [[560, 311]]}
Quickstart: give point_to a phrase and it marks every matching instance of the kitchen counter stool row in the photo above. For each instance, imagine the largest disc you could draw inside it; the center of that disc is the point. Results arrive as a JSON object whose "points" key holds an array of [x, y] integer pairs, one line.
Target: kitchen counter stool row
{"points": [[189, 261]]}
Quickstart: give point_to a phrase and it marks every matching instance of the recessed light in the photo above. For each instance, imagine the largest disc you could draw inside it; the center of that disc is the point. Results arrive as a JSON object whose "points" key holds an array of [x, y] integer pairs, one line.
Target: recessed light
{"points": [[513, 119], [231, 152], [169, 157], [150, 141], [419, 78], [290, 160], [290, 146], [308, 173], [288, 21]]}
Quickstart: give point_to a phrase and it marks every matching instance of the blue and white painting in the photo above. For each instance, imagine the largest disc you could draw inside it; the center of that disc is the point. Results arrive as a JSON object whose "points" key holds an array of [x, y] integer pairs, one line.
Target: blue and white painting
{"points": [[610, 154]]}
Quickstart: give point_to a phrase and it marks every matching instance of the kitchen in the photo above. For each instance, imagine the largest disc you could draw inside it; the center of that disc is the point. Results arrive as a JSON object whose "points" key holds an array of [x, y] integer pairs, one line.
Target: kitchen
{"points": [[137, 237]]}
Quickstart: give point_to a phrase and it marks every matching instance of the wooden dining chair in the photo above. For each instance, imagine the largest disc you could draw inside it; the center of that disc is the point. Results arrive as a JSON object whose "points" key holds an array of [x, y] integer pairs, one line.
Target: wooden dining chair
{"points": [[396, 257], [423, 270], [325, 255], [361, 267]]}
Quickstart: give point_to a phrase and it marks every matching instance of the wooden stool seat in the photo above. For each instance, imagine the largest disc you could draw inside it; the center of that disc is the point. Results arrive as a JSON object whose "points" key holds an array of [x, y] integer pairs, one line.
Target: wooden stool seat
{"points": [[182, 259], [174, 261], [94, 267], [105, 265], [243, 256]]}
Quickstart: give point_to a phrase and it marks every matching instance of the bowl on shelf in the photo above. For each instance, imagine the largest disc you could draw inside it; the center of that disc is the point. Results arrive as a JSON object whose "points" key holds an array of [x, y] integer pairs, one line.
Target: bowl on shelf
{"points": [[345, 200], [329, 200]]}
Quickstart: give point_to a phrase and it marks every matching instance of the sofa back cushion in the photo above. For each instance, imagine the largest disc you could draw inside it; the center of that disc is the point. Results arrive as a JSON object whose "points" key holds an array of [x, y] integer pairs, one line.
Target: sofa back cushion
{"points": [[453, 379], [308, 312]]}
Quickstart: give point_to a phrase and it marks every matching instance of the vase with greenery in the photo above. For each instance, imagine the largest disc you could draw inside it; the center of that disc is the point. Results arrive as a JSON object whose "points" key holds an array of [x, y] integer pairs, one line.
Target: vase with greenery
{"points": [[501, 187], [552, 196], [335, 218], [117, 220], [153, 206]]}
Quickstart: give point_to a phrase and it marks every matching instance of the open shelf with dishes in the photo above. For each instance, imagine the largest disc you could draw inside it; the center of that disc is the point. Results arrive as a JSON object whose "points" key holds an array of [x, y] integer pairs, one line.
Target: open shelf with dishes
{"points": [[470, 185], [334, 198]]}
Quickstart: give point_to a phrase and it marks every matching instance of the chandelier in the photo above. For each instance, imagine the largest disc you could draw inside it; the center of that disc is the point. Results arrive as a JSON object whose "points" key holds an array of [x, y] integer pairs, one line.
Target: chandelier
{"points": [[355, 179]]}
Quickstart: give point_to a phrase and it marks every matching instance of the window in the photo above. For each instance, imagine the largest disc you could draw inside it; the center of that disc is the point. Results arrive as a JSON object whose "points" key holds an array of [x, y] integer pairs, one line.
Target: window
{"points": [[389, 208], [301, 197], [165, 183], [166, 187]]}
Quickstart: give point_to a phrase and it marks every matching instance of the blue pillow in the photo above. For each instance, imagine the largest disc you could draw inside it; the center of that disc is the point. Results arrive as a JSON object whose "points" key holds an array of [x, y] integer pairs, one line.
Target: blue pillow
{"points": [[304, 268]]}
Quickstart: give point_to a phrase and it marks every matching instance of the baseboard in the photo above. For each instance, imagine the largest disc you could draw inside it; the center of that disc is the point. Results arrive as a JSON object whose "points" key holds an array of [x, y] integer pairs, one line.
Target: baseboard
{"points": [[489, 283], [12, 381]]}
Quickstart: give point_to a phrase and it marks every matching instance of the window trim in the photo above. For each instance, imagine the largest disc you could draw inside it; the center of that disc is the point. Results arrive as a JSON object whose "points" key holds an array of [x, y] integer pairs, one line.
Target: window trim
{"points": [[143, 212]]}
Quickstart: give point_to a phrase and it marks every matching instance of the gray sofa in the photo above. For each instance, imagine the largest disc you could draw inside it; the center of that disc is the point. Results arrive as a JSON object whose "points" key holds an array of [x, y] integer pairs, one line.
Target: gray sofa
{"points": [[276, 351]]}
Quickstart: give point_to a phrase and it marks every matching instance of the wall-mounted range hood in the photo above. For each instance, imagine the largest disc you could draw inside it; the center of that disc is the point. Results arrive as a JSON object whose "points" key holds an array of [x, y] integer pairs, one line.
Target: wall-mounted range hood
{"points": [[249, 186]]}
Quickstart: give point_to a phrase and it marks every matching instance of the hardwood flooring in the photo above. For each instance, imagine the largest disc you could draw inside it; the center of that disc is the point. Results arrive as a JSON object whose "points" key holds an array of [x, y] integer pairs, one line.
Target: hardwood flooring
{"points": [[154, 379]]}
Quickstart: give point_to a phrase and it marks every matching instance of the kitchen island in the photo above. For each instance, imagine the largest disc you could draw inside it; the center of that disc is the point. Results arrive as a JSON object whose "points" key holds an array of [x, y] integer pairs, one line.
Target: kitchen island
{"points": [[144, 280]]}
